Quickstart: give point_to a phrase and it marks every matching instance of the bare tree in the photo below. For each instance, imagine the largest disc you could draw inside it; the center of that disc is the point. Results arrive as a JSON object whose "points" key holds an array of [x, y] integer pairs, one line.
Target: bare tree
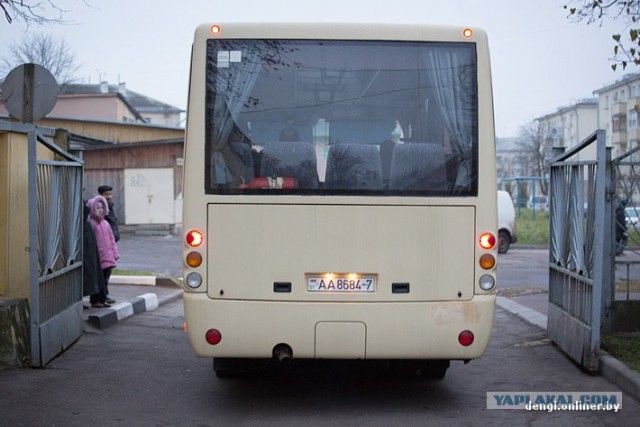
{"points": [[626, 49], [32, 11], [536, 141], [53, 54]]}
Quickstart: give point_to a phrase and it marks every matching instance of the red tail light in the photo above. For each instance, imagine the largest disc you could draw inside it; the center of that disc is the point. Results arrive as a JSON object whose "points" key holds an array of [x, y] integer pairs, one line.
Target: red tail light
{"points": [[465, 338], [194, 238], [213, 336], [487, 240]]}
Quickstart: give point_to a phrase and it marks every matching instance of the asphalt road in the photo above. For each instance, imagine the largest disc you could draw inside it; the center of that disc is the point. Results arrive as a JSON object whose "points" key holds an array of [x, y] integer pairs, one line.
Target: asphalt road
{"points": [[154, 254], [143, 372], [523, 268]]}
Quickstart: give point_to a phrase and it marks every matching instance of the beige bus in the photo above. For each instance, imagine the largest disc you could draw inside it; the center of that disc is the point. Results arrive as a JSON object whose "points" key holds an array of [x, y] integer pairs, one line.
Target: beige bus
{"points": [[339, 194]]}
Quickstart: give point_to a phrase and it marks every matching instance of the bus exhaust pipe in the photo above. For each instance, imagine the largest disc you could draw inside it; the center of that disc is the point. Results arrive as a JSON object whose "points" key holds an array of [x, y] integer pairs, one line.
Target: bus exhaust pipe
{"points": [[282, 353]]}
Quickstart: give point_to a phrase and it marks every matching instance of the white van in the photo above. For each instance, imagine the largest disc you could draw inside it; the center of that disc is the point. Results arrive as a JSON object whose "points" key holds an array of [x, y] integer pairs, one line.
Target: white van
{"points": [[506, 222]]}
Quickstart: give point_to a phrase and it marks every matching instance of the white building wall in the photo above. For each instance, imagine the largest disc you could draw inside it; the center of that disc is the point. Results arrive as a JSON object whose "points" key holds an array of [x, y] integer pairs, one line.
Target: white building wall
{"points": [[569, 126]]}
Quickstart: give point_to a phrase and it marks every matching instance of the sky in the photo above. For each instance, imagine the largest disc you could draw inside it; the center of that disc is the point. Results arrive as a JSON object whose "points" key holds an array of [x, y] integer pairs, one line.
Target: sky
{"points": [[541, 61]]}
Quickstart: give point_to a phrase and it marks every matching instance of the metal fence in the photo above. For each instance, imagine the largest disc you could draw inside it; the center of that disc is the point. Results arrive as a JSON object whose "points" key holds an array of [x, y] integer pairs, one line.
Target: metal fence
{"points": [[58, 319], [55, 229], [580, 249]]}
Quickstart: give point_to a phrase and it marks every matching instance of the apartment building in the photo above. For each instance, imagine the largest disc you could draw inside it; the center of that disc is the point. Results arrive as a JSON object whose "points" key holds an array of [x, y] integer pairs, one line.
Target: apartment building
{"points": [[618, 106], [511, 159], [569, 125]]}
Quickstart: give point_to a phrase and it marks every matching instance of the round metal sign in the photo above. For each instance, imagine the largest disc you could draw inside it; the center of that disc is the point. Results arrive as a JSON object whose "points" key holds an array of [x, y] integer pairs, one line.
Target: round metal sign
{"points": [[29, 92]]}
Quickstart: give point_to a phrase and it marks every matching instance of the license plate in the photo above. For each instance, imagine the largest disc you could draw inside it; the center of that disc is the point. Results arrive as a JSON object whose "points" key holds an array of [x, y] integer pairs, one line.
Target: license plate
{"points": [[349, 283]]}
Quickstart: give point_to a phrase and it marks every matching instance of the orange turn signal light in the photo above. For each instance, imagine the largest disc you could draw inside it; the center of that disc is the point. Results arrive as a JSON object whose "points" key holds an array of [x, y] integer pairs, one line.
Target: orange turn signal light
{"points": [[487, 261], [194, 259]]}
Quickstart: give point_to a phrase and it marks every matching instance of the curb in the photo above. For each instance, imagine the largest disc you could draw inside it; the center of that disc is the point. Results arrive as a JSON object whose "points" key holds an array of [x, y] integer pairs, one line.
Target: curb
{"points": [[619, 374], [527, 314], [609, 367], [146, 302]]}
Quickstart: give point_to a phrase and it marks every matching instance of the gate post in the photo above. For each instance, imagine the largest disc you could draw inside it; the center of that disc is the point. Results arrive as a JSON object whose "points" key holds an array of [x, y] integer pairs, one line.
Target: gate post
{"points": [[608, 245], [34, 300], [19, 258], [603, 242]]}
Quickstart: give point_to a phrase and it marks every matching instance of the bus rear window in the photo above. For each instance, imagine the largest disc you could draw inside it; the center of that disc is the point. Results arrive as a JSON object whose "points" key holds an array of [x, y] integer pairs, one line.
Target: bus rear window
{"points": [[341, 118]]}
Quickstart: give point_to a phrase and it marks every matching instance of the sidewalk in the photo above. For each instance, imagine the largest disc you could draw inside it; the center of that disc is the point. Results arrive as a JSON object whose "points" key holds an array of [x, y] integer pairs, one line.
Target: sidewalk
{"points": [[533, 309], [131, 298], [160, 255]]}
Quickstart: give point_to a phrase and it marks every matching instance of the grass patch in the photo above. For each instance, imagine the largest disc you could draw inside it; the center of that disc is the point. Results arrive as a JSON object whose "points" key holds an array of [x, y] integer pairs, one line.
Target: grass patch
{"points": [[530, 230], [634, 237], [634, 286], [624, 347], [535, 231], [117, 272]]}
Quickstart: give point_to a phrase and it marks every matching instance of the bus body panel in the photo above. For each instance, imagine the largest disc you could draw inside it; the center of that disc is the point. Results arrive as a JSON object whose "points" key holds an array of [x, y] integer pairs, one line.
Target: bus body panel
{"points": [[252, 241], [252, 329], [253, 246]]}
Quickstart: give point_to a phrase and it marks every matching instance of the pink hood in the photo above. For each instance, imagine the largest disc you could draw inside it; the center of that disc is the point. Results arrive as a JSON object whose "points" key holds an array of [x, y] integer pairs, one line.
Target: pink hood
{"points": [[93, 205]]}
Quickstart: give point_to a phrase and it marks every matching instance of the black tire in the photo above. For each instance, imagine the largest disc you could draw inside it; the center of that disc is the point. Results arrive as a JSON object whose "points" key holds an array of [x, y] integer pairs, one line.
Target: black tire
{"points": [[430, 370], [225, 375], [504, 242], [226, 368], [435, 370]]}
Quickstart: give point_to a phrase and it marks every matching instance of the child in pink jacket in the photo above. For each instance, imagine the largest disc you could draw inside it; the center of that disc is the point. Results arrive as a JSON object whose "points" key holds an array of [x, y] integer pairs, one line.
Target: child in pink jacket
{"points": [[105, 240]]}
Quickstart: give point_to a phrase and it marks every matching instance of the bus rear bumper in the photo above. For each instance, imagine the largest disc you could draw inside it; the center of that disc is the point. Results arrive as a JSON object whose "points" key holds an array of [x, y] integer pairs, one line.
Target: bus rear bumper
{"points": [[416, 330]]}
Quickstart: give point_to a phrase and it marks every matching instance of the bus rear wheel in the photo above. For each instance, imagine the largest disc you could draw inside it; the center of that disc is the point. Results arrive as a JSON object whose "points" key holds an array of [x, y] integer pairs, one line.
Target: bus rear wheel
{"points": [[428, 369], [227, 368], [434, 370]]}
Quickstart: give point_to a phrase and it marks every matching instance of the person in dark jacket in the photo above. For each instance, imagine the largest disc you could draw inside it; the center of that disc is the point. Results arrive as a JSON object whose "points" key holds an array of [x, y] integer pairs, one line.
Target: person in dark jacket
{"points": [[621, 228], [106, 191]]}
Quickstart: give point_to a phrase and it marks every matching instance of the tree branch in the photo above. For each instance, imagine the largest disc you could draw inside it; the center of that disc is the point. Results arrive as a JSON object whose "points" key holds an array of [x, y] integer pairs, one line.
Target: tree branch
{"points": [[31, 11]]}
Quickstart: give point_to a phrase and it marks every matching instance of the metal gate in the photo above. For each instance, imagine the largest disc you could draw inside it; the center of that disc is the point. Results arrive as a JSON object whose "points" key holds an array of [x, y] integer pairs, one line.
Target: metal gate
{"points": [[624, 311], [580, 250], [55, 241]]}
